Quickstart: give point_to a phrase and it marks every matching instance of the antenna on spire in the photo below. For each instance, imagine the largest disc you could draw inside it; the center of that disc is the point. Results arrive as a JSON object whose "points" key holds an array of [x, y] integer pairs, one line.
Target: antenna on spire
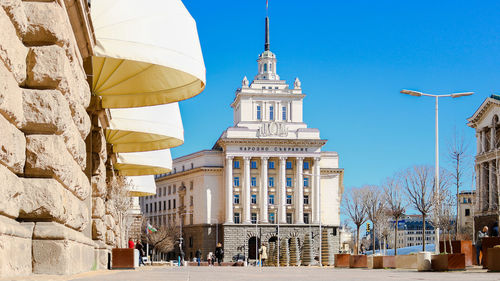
{"points": [[266, 44]]}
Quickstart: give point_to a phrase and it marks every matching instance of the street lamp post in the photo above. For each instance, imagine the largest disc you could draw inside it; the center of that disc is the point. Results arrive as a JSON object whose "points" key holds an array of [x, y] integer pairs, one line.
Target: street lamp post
{"points": [[436, 186], [181, 216]]}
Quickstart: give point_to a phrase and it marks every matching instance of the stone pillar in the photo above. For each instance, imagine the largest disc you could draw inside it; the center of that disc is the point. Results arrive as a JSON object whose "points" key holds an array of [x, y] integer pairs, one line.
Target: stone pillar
{"points": [[492, 138], [315, 192], [299, 192], [478, 142], [479, 185], [229, 189], [263, 190], [483, 141], [282, 191], [490, 185], [246, 188]]}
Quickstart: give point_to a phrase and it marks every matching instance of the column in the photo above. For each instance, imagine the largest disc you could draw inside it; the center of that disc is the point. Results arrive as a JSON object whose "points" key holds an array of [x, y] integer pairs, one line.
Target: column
{"points": [[315, 191], [490, 185], [282, 191], [483, 141], [299, 191], [478, 142], [229, 189], [263, 190], [492, 138], [246, 187]]}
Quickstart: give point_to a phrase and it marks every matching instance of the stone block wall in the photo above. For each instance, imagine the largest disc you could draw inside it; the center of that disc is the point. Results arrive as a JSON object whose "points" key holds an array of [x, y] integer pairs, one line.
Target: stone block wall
{"points": [[46, 209]]}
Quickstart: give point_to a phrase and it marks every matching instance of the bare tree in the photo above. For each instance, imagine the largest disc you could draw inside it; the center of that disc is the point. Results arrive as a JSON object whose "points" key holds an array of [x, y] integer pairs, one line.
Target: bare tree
{"points": [[419, 185], [163, 240], [445, 216], [385, 227], [393, 193], [353, 207], [118, 192], [374, 205], [459, 159]]}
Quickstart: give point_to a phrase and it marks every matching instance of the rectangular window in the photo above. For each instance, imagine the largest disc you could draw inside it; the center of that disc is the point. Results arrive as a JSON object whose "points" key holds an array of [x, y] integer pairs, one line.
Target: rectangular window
{"points": [[271, 181], [306, 199], [271, 113], [191, 219], [258, 113], [284, 113], [306, 165], [151, 207], [174, 204], [271, 199], [236, 181], [289, 165], [174, 189], [191, 185], [289, 199], [253, 198], [169, 190], [155, 207], [254, 218], [236, 199], [253, 165], [306, 218], [271, 165], [271, 218], [236, 164], [289, 218], [159, 207], [288, 182], [236, 217], [467, 212], [147, 208], [253, 181], [191, 201], [169, 205], [306, 182]]}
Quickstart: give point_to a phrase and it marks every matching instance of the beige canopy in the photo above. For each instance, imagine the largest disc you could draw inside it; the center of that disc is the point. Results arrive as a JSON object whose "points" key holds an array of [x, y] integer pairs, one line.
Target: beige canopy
{"points": [[144, 163], [141, 186], [145, 128], [147, 53]]}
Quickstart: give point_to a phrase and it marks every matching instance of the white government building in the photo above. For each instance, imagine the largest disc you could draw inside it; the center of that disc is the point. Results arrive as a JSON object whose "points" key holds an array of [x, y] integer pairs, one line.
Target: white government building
{"points": [[267, 169]]}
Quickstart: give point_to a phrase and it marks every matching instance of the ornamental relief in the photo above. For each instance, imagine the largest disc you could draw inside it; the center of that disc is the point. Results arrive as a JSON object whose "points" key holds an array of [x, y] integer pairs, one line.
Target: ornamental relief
{"points": [[268, 129]]}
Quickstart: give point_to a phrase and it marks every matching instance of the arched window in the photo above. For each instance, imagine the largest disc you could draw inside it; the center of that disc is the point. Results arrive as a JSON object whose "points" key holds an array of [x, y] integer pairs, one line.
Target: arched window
{"points": [[265, 67]]}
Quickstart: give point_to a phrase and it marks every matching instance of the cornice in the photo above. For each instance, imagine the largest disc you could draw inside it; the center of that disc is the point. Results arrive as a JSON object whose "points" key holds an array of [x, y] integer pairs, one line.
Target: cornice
{"points": [[223, 142], [190, 171]]}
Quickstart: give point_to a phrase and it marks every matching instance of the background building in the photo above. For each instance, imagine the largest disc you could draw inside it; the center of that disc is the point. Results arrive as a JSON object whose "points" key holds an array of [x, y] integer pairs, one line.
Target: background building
{"points": [[410, 229], [266, 170], [466, 201]]}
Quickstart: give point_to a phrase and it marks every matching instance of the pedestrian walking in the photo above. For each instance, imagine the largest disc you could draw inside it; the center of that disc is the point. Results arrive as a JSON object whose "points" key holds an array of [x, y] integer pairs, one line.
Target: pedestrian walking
{"points": [[198, 256], [479, 243], [140, 247], [210, 258], [263, 254], [219, 253], [131, 244]]}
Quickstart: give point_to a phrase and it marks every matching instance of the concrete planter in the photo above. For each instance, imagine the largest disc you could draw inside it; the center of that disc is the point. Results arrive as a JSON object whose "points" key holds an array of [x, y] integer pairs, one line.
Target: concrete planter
{"points": [[494, 259], [406, 261], [445, 262], [342, 260], [389, 261], [424, 261], [463, 247], [439, 262], [358, 261], [488, 242], [375, 262]]}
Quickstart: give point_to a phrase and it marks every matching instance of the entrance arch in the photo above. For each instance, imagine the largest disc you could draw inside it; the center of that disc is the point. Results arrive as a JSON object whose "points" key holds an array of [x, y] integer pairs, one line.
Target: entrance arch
{"points": [[253, 247]]}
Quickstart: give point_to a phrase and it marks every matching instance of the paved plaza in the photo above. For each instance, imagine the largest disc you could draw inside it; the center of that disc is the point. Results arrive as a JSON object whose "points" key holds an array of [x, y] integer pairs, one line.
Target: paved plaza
{"points": [[282, 274]]}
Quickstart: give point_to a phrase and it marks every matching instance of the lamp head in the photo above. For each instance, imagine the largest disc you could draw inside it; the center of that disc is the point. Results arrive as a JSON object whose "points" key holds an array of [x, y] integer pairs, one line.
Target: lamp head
{"points": [[411, 93], [457, 95]]}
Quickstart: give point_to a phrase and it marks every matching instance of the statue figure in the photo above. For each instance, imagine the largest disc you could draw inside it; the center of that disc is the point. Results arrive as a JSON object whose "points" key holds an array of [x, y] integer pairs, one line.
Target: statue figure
{"points": [[244, 83], [297, 83]]}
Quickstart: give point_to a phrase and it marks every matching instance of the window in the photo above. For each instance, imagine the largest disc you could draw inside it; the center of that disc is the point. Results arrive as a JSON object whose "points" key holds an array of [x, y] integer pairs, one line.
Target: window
{"points": [[289, 218], [236, 164], [465, 200], [253, 198], [159, 207], [254, 218], [271, 199], [289, 199], [191, 219], [253, 164], [306, 218], [469, 201], [289, 165], [155, 207], [192, 165], [151, 207], [271, 113], [236, 217], [288, 182], [236, 181], [271, 181], [253, 181], [191, 185], [236, 199], [173, 191], [306, 182], [306, 199], [467, 212], [174, 204], [284, 113], [147, 208], [191, 201], [183, 168], [271, 218], [258, 113], [191, 242], [306, 165], [271, 164], [169, 190], [175, 170], [265, 67], [169, 206]]}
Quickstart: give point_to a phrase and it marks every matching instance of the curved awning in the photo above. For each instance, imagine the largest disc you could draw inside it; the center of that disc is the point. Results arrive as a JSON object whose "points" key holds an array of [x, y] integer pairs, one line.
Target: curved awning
{"points": [[147, 53], [145, 128], [143, 163], [141, 186]]}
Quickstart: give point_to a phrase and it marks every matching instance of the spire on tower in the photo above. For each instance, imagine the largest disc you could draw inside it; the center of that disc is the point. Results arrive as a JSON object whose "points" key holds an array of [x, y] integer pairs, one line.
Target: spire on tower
{"points": [[266, 45]]}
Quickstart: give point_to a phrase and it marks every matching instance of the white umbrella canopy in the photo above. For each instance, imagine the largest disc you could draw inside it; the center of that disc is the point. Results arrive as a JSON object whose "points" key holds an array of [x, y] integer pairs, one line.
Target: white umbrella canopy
{"points": [[144, 163], [145, 128], [147, 53], [141, 186]]}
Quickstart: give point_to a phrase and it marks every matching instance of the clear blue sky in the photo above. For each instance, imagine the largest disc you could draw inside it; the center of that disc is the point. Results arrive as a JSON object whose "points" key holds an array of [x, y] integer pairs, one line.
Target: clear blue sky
{"points": [[353, 58]]}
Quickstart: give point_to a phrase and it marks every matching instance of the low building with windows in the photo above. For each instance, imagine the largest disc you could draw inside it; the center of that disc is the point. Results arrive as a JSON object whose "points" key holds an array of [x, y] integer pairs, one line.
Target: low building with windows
{"points": [[265, 171], [466, 212], [410, 230]]}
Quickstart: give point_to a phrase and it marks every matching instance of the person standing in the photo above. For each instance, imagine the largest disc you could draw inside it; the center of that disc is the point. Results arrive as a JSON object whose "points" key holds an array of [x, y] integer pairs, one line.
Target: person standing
{"points": [[210, 258], [131, 244], [198, 256], [494, 230], [263, 254], [479, 242], [219, 253], [139, 247]]}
